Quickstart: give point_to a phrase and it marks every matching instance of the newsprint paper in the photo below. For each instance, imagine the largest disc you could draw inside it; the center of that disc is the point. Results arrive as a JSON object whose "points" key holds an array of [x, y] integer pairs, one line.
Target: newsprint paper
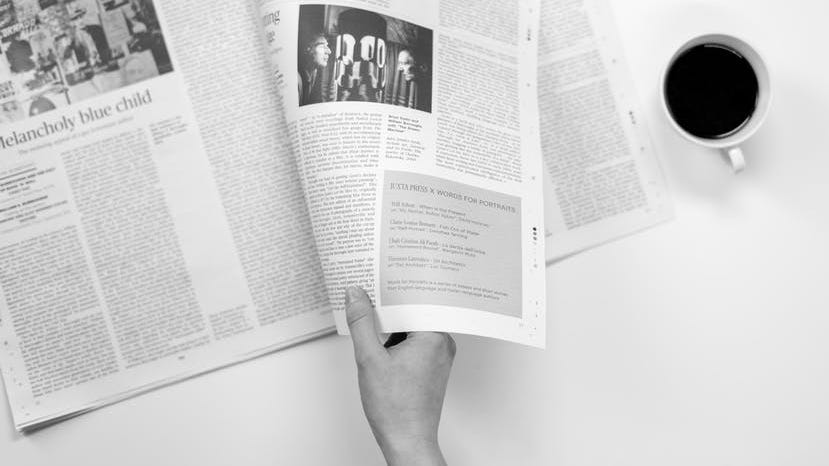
{"points": [[602, 178], [181, 191]]}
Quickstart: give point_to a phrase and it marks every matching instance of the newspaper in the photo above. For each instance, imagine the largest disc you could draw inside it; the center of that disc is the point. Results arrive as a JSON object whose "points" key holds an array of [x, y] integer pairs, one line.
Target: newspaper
{"points": [[603, 180], [168, 206], [182, 192], [416, 134]]}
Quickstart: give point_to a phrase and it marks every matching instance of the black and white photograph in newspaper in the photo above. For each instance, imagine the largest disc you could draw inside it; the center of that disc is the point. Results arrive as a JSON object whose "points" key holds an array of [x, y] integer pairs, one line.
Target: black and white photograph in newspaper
{"points": [[55, 53], [349, 54]]}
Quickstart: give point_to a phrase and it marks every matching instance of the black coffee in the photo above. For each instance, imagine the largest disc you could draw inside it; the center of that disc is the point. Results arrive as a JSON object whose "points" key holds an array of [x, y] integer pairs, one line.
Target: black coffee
{"points": [[711, 91]]}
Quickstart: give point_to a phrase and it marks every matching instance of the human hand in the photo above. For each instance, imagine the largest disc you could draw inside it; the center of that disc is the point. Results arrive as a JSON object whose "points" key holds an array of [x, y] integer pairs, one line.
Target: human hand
{"points": [[402, 387]]}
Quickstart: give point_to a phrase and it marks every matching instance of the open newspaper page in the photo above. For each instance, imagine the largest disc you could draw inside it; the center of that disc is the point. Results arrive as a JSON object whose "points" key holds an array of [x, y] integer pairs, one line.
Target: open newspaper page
{"points": [[152, 223], [603, 179], [416, 132]]}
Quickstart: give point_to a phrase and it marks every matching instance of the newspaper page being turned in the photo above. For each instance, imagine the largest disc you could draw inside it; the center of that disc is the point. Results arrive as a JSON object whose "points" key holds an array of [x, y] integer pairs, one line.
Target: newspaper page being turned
{"points": [[152, 222], [416, 133], [603, 180]]}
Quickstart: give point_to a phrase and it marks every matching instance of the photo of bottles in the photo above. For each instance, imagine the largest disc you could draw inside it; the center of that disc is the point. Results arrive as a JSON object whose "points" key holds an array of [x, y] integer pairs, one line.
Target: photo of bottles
{"points": [[353, 55]]}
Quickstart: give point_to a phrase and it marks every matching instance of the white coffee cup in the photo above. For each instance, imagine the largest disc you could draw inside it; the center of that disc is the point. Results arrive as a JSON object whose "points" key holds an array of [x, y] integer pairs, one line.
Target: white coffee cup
{"points": [[730, 145]]}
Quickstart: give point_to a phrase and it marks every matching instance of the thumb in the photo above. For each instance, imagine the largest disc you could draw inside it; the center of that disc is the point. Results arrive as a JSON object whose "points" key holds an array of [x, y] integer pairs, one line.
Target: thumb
{"points": [[360, 315]]}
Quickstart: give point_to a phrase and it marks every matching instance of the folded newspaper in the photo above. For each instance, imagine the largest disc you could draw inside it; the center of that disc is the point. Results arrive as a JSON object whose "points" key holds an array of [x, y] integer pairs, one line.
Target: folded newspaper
{"points": [[185, 185]]}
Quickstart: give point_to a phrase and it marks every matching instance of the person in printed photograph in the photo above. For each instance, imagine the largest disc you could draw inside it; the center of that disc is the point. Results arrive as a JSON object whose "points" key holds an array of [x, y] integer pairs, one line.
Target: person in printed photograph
{"points": [[409, 74], [314, 57]]}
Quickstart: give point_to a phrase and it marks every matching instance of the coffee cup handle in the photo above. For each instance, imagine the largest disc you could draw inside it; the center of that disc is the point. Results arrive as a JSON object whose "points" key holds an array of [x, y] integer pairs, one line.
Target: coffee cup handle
{"points": [[738, 161]]}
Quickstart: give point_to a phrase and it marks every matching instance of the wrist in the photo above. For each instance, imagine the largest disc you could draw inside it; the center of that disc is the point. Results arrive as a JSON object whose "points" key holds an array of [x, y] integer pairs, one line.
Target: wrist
{"points": [[412, 452]]}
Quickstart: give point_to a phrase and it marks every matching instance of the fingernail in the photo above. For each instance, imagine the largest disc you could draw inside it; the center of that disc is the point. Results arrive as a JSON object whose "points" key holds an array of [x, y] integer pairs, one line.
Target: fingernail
{"points": [[352, 293]]}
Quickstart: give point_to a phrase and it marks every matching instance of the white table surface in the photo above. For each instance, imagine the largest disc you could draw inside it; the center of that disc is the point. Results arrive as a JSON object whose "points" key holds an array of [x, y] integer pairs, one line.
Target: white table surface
{"points": [[704, 341]]}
